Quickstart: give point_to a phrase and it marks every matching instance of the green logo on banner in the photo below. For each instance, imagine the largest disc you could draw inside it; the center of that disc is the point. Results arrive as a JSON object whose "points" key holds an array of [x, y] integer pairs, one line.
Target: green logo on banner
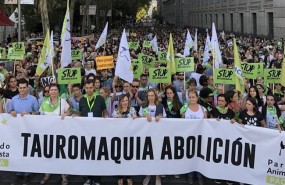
{"points": [[147, 61], [2, 53], [19, 48], [13, 56], [260, 70], [272, 76], [4, 163], [184, 64], [147, 44], [134, 45], [76, 54], [162, 57], [159, 75], [224, 76], [249, 70], [275, 180], [137, 68], [69, 76]]}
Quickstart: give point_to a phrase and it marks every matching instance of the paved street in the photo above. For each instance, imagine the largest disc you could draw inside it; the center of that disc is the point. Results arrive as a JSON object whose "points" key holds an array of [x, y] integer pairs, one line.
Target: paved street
{"points": [[6, 178]]}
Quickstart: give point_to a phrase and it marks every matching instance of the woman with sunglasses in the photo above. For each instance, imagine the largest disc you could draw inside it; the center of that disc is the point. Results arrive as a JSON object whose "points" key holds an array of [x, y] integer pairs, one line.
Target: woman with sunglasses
{"points": [[54, 106], [124, 110], [117, 87], [45, 95]]}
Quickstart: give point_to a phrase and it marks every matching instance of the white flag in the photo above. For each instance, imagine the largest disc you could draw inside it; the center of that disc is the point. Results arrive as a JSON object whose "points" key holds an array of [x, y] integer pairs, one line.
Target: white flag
{"points": [[206, 50], [154, 45], [196, 41], [103, 37], [215, 48], [188, 44], [124, 65], [66, 40]]}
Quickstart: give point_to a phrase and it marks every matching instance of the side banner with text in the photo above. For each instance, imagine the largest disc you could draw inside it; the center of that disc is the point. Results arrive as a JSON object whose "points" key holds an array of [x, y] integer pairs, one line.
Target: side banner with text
{"points": [[135, 147]]}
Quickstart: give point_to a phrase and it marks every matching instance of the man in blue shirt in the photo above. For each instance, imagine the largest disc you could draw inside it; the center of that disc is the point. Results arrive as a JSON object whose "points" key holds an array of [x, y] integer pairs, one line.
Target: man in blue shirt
{"points": [[23, 104]]}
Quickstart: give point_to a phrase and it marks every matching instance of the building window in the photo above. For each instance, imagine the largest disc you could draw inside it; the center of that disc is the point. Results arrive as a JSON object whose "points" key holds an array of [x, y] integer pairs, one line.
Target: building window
{"points": [[270, 25], [217, 22], [254, 24], [232, 22], [223, 22], [241, 23]]}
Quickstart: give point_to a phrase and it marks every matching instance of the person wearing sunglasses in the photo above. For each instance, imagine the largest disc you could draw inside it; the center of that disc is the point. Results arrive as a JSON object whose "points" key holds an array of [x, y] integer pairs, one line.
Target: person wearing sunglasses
{"points": [[134, 100]]}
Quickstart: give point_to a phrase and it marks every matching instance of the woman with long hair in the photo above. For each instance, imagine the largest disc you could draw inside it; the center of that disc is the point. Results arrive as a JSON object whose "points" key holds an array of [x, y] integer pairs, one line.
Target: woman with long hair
{"points": [[253, 93], [11, 88], [193, 110], [152, 110], [233, 102], [251, 115], [171, 102], [54, 106], [272, 113], [124, 110]]}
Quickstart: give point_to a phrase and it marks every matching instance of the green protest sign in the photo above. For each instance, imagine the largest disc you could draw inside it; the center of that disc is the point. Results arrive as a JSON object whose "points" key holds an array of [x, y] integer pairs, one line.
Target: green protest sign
{"points": [[137, 68], [69, 76], [249, 70], [19, 48], [2, 53], [162, 57], [147, 44], [184, 64], [224, 76], [76, 54], [14, 56], [134, 45], [260, 70], [272, 76], [160, 75], [147, 61]]}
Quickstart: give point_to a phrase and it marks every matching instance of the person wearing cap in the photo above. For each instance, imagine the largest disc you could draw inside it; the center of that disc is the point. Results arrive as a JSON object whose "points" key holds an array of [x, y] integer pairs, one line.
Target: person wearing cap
{"points": [[206, 98]]}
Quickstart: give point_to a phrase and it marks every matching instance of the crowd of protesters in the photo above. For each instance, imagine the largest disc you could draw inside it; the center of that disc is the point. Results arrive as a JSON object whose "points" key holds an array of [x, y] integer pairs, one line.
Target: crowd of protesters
{"points": [[102, 94]]}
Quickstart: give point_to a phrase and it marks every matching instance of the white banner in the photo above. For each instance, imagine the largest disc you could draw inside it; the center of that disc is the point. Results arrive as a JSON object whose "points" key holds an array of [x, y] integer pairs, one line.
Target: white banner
{"points": [[106, 146]]}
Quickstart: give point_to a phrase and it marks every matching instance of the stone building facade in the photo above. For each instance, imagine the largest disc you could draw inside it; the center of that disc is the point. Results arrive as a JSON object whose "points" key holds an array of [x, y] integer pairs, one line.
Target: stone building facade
{"points": [[256, 17]]}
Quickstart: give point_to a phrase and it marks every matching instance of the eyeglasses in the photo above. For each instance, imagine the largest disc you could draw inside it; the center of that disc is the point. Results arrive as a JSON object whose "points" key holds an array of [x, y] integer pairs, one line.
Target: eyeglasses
{"points": [[181, 74], [46, 91], [135, 86], [118, 86]]}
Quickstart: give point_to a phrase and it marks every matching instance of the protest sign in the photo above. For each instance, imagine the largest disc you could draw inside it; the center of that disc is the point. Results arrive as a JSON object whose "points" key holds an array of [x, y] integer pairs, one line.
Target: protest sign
{"points": [[46, 81], [2, 53], [249, 70], [134, 45], [159, 75], [76, 54], [260, 70], [14, 56], [147, 61], [147, 44], [104, 62], [19, 48], [137, 68], [162, 56], [69, 76], [224, 76], [272, 76], [184, 64]]}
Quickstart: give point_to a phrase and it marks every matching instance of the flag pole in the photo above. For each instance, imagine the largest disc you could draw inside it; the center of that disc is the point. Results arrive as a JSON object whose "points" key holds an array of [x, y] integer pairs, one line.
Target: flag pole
{"points": [[273, 89], [184, 82]]}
